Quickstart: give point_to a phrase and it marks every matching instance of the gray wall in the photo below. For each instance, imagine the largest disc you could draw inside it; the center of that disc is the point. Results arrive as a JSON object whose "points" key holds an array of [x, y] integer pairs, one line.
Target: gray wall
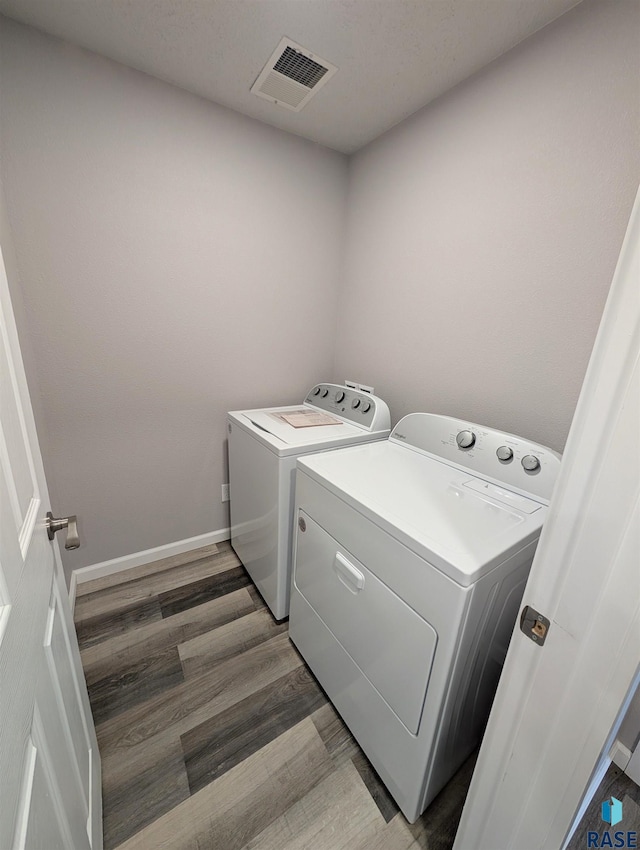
{"points": [[483, 232], [177, 260]]}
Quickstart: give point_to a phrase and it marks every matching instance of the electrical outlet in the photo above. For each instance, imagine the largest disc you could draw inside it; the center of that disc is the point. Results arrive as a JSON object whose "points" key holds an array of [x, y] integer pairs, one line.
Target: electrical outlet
{"points": [[225, 493], [351, 384], [365, 389]]}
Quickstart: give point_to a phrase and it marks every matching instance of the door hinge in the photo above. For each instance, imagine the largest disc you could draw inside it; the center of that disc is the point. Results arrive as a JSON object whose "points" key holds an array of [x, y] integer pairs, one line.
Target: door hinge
{"points": [[534, 625]]}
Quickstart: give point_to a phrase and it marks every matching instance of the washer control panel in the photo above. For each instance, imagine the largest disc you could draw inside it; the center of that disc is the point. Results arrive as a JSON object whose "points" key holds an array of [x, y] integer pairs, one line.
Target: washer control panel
{"points": [[367, 411], [506, 459]]}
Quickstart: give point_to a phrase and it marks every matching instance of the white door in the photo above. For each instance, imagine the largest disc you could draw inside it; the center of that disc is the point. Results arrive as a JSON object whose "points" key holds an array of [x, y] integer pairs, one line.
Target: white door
{"points": [[557, 706], [49, 763]]}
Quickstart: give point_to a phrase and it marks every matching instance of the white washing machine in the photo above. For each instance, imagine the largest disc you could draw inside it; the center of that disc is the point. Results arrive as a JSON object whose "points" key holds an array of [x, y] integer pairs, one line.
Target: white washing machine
{"points": [[411, 558], [263, 448]]}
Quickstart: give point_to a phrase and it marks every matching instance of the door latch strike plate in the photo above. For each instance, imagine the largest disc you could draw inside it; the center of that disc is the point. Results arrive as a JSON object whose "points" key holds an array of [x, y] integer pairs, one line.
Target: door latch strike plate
{"points": [[534, 625]]}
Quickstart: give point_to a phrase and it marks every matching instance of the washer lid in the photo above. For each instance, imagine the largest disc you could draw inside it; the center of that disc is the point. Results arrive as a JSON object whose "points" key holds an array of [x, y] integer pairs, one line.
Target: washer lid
{"points": [[283, 438], [443, 514], [301, 426]]}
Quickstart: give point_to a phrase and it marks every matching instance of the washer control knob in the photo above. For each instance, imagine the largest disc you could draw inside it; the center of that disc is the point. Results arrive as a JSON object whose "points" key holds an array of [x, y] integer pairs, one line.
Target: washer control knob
{"points": [[466, 439], [339, 397], [325, 392], [366, 407], [505, 453], [355, 404], [530, 463], [316, 391]]}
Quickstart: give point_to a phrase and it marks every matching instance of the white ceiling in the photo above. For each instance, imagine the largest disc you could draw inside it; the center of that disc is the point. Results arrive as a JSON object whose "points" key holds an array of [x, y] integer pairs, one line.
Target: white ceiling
{"points": [[393, 56]]}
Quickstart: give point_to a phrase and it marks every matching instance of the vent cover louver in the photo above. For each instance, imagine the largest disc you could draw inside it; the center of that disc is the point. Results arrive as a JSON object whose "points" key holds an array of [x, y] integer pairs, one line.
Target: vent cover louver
{"points": [[292, 76]]}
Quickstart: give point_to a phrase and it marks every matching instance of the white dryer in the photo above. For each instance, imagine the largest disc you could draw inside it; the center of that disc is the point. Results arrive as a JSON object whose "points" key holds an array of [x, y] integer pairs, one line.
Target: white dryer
{"points": [[263, 448], [411, 558]]}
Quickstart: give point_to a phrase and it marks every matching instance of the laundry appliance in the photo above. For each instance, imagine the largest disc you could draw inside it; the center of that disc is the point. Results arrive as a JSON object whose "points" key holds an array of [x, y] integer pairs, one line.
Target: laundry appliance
{"points": [[411, 557], [263, 448]]}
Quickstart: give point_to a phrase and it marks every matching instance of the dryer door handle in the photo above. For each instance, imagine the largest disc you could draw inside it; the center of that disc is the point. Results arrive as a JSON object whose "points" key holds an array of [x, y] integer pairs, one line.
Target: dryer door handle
{"points": [[349, 575]]}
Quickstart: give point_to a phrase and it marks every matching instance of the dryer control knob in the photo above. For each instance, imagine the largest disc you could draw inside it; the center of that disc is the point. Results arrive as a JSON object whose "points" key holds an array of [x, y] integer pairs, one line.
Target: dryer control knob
{"points": [[355, 404], [325, 393], [504, 453], [316, 391], [466, 439], [339, 397], [366, 407], [530, 463]]}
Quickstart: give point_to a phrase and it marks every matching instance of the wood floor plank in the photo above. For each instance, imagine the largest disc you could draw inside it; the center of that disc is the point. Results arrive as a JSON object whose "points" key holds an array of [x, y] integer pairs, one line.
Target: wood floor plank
{"points": [[239, 635], [228, 813], [119, 766], [135, 683], [334, 815], [340, 743], [198, 699], [84, 588], [257, 598], [219, 744], [107, 625], [631, 808], [103, 659], [382, 798], [137, 590], [437, 827], [394, 835], [342, 747], [197, 592], [144, 797]]}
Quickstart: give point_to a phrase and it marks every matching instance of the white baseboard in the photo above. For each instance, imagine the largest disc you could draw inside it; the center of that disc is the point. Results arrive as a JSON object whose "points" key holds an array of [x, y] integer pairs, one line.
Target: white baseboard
{"points": [[136, 559], [73, 586], [633, 767], [620, 755]]}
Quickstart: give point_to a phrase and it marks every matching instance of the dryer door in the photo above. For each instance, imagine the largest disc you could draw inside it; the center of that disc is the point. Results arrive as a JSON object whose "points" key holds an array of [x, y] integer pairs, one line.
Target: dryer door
{"points": [[391, 644]]}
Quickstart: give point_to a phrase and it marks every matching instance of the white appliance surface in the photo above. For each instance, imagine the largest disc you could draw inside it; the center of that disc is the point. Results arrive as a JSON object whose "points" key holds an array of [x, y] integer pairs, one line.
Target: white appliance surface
{"points": [[284, 438], [264, 445], [432, 508], [410, 562]]}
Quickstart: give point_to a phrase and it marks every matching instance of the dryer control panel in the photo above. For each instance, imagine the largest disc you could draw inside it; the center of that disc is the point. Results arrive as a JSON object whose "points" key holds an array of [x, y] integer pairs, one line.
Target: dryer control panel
{"points": [[505, 459], [363, 409]]}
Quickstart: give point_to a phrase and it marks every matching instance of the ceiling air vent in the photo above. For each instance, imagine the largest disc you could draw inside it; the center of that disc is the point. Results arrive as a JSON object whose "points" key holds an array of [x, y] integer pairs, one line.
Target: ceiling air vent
{"points": [[292, 76]]}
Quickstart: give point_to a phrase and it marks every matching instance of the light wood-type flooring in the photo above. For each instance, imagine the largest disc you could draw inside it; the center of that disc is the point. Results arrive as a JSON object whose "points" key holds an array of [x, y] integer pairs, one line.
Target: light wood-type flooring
{"points": [[214, 734]]}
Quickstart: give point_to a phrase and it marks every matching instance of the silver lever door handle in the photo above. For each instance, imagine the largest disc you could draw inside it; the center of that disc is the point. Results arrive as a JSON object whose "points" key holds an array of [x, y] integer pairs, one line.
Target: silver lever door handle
{"points": [[68, 522]]}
